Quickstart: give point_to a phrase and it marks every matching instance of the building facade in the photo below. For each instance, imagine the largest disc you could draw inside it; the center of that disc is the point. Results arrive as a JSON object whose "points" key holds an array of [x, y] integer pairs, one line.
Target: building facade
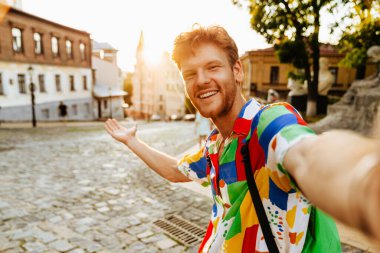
{"points": [[60, 60], [157, 88], [108, 92], [263, 71]]}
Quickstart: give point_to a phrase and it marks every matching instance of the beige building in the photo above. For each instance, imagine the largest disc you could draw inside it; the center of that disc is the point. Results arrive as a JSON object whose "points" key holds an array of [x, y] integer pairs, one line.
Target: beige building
{"points": [[157, 88], [263, 71]]}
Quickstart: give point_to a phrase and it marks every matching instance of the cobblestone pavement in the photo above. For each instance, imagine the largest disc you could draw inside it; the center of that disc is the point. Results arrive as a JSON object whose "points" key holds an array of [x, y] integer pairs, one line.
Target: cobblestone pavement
{"points": [[74, 189]]}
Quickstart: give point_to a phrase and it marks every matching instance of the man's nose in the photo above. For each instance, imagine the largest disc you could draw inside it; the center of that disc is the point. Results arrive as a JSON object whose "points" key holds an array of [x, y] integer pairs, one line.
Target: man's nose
{"points": [[203, 78]]}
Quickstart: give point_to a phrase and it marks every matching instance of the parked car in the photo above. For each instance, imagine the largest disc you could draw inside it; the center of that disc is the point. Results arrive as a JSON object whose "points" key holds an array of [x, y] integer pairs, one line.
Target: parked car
{"points": [[155, 117], [189, 117], [175, 117]]}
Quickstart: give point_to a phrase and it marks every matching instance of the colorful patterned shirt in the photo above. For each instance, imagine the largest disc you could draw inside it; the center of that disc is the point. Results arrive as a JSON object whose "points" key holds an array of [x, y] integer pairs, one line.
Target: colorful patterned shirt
{"points": [[234, 226]]}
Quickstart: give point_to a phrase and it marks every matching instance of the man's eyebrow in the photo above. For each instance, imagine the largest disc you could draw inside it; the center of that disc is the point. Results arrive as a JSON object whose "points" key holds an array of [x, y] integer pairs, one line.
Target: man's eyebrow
{"points": [[187, 72], [213, 62]]}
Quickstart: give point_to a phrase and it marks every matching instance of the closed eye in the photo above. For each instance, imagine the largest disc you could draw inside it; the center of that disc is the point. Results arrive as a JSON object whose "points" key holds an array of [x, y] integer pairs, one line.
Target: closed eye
{"points": [[188, 77], [213, 67]]}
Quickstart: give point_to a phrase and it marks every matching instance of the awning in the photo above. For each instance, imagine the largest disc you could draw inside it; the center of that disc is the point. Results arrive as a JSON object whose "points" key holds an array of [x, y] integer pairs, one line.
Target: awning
{"points": [[103, 91]]}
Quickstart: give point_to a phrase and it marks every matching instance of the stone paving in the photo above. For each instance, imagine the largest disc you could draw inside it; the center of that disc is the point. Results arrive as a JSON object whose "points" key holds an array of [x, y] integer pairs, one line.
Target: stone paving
{"points": [[74, 189]]}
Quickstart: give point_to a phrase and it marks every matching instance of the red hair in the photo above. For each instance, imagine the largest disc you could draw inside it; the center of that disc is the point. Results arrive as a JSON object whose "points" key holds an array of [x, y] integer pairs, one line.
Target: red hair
{"points": [[186, 42]]}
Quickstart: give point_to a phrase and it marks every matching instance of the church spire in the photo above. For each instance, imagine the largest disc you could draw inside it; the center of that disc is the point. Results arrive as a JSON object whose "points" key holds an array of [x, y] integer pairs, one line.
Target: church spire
{"points": [[140, 46]]}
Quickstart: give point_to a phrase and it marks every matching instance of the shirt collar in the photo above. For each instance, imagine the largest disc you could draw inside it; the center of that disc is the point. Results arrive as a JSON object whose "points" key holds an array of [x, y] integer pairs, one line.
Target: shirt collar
{"points": [[243, 122]]}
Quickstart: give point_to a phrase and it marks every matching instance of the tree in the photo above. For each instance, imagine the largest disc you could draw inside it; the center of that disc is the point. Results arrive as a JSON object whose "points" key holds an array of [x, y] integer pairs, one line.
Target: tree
{"points": [[293, 26], [361, 32], [128, 87]]}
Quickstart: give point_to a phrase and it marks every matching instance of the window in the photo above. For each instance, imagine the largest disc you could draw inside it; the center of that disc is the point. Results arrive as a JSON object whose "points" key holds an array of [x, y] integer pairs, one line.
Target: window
{"points": [[58, 82], [334, 71], [41, 83], [105, 104], [17, 40], [69, 49], [45, 113], [274, 74], [1, 85], [84, 79], [87, 107], [74, 109], [55, 46], [37, 43], [72, 84], [253, 87], [21, 83], [82, 48]]}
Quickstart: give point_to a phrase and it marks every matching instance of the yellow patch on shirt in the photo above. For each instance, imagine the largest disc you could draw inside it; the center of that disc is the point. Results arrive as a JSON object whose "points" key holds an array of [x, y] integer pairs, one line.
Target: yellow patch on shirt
{"points": [[290, 216]]}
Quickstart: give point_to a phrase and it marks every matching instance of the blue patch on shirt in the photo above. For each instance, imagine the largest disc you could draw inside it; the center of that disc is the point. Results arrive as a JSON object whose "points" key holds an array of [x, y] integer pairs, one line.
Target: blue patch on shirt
{"points": [[277, 196], [199, 167], [227, 172], [273, 128]]}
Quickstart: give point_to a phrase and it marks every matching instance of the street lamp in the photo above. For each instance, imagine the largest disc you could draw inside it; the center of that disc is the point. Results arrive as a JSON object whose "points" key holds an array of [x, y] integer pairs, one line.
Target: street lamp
{"points": [[30, 71], [110, 99]]}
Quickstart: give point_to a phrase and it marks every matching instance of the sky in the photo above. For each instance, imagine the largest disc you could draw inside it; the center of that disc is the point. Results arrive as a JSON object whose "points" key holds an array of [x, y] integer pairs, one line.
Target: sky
{"points": [[120, 22]]}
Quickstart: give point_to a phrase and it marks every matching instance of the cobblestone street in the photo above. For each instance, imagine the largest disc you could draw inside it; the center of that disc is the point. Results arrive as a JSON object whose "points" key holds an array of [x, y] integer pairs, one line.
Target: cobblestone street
{"points": [[74, 189]]}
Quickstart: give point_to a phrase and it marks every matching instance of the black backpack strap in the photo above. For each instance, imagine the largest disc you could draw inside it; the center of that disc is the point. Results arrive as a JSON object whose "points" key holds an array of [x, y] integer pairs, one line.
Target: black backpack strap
{"points": [[265, 227]]}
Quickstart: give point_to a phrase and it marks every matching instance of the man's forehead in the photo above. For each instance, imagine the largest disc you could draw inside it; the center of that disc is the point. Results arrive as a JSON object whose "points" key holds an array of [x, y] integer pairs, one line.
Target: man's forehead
{"points": [[202, 54]]}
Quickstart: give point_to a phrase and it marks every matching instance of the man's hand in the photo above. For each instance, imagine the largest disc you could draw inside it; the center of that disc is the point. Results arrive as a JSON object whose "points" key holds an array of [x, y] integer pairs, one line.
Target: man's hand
{"points": [[118, 132]]}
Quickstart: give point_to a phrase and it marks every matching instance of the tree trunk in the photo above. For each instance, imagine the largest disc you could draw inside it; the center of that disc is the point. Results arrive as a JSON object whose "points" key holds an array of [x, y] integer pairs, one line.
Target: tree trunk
{"points": [[313, 88], [360, 72]]}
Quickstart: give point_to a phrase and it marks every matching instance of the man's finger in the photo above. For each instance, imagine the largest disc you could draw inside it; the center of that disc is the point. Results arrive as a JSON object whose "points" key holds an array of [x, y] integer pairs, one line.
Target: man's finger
{"points": [[108, 129], [115, 124], [112, 124], [109, 125]]}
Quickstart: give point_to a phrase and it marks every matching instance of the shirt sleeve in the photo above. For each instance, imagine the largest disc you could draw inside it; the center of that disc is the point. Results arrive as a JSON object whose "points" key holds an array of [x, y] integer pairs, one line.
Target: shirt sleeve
{"points": [[279, 128], [194, 167]]}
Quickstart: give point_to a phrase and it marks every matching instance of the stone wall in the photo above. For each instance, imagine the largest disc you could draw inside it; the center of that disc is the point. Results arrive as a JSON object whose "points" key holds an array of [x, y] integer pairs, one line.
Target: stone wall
{"points": [[357, 109]]}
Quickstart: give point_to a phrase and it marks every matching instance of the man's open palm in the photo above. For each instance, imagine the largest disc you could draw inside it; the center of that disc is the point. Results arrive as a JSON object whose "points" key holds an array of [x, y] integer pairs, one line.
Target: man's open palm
{"points": [[119, 132]]}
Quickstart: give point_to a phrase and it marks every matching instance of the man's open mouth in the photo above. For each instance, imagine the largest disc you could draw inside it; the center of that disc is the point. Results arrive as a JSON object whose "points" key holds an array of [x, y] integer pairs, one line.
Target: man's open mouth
{"points": [[208, 94]]}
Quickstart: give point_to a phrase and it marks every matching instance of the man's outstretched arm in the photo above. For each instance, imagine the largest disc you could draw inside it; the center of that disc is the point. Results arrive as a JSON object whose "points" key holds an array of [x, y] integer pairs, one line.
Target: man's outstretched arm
{"points": [[339, 172], [162, 164]]}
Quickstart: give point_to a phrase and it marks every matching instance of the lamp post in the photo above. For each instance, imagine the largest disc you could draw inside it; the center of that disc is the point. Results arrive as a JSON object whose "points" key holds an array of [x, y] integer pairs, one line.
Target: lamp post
{"points": [[110, 98], [30, 71]]}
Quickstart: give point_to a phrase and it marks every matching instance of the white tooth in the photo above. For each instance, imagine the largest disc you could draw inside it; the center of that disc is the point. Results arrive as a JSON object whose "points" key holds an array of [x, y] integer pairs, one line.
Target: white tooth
{"points": [[210, 93]]}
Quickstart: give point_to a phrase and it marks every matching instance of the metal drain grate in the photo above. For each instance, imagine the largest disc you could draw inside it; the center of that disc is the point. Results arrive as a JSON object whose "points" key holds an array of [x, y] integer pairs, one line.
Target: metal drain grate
{"points": [[184, 231]]}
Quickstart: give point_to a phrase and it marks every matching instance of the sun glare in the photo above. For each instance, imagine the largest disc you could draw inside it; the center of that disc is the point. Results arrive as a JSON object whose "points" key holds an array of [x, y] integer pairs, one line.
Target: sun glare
{"points": [[152, 55]]}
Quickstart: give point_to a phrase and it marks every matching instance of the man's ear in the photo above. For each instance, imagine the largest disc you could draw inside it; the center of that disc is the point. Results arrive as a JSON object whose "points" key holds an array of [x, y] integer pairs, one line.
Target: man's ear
{"points": [[238, 71]]}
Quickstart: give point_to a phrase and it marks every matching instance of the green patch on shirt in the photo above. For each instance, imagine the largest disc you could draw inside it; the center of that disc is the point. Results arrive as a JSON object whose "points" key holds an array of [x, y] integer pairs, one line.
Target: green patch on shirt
{"points": [[235, 190], [295, 131], [268, 115], [229, 152], [235, 226]]}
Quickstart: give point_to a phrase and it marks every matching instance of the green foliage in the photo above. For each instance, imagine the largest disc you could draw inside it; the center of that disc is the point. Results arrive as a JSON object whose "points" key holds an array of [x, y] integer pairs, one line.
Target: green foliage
{"points": [[293, 52], [189, 106], [356, 44], [297, 76]]}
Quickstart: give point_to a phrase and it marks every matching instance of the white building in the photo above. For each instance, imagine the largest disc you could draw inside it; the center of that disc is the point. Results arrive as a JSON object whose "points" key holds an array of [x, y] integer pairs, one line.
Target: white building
{"points": [[157, 88], [108, 89]]}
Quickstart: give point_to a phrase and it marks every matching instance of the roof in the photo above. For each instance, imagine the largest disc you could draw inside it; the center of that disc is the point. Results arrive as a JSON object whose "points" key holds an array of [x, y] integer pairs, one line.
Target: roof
{"points": [[101, 45], [18, 11], [325, 50]]}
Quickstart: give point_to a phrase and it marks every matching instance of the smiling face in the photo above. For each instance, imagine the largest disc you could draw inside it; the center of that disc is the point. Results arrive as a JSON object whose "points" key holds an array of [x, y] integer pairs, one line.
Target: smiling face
{"points": [[211, 83]]}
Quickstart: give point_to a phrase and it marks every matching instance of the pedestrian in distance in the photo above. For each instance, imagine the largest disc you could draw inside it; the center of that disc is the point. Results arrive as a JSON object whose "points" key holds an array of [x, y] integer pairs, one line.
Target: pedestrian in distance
{"points": [[62, 111], [301, 178], [203, 127]]}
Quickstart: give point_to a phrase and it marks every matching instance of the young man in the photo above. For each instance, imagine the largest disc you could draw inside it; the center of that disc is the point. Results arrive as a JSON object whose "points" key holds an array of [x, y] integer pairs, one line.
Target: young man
{"points": [[336, 171]]}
